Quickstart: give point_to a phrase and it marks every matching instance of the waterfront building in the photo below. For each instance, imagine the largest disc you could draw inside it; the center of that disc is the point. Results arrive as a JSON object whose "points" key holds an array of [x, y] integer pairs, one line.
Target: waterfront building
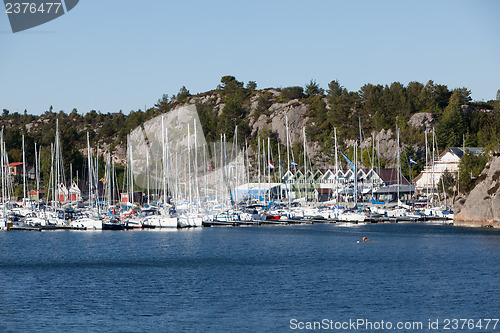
{"points": [[447, 161]]}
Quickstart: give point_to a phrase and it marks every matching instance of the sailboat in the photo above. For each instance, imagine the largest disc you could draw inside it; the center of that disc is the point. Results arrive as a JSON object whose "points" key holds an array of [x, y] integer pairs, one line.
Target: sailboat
{"points": [[88, 219], [192, 218], [163, 217]]}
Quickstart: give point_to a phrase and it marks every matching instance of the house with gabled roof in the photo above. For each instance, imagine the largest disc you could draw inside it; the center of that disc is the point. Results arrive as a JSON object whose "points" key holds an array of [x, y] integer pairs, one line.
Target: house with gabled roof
{"points": [[447, 161], [327, 179]]}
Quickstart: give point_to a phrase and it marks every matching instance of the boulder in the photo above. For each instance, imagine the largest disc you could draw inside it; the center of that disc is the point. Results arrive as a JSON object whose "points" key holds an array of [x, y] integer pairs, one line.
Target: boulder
{"points": [[422, 121], [482, 207]]}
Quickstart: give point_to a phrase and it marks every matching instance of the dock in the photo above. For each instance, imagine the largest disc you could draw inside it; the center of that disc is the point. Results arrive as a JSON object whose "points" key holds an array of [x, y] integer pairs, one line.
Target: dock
{"points": [[372, 220]]}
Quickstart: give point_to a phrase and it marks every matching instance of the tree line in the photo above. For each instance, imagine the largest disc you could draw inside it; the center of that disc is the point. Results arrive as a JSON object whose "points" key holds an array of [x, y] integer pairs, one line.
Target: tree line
{"points": [[373, 107]]}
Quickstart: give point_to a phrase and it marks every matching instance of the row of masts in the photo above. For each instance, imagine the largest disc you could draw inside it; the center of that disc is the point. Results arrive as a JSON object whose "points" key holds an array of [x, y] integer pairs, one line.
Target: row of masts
{"points": [[223, 190]]}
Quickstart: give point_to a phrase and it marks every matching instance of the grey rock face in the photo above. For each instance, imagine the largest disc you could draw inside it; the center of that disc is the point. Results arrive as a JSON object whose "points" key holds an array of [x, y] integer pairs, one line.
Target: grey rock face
{"points": [[482, 206], [423, 121]]}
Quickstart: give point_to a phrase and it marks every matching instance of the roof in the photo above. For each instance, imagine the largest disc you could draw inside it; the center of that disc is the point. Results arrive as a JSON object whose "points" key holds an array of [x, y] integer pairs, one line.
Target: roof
{"points": [[312, 171], [15, 163], [390, 176], [459, 151], [394, 189]]}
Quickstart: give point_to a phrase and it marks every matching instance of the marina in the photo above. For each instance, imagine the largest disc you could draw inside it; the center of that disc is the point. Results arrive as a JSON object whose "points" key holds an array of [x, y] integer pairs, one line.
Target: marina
{"points": [[246, 166], [173, 178]]}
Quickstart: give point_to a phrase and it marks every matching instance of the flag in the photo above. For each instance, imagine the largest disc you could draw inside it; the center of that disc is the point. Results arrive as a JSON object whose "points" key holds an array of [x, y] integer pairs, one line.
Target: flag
{"points": [[250, 165], [412, 161], [348, 161], [294, 164], [271, 165]]}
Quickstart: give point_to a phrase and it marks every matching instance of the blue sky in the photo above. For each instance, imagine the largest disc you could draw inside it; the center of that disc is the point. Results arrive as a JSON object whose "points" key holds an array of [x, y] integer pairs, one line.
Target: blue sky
{"points": [[123, 55]]}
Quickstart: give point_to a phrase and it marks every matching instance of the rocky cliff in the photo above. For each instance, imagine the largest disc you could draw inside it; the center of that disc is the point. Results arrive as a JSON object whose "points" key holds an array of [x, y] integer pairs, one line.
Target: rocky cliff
{"points": [[274, 119], [482, 207]]}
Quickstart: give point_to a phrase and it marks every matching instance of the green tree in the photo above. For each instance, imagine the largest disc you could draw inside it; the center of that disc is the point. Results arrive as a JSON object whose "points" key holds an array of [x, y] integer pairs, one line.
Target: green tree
{"points": [[230, 85], [447, 182], [413, 93], [312, 88], [251, 85], [290, 93], [182, 95], [497, 104], [452, 127], [263, 104], [163, 103], [232, 114], [470, 167]]}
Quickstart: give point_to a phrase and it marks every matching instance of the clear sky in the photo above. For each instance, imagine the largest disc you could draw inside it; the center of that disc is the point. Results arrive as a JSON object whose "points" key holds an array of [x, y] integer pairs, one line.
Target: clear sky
{"points": [[111, 55]]}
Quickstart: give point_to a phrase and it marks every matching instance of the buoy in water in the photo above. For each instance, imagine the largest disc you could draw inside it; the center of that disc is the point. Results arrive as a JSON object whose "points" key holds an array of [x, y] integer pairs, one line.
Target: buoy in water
{"points": [[365, 239]]}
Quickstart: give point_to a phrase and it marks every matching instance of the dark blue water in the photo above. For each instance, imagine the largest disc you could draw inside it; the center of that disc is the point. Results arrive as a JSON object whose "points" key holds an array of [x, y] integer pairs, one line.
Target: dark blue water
{"points": [[254, 279]]}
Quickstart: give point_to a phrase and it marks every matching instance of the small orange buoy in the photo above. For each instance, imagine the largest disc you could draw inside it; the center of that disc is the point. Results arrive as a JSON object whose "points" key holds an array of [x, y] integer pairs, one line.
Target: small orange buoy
{"points": [[365, 239]]}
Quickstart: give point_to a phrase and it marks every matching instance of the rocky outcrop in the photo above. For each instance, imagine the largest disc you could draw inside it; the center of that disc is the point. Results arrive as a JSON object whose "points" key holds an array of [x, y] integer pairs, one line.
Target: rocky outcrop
{"points": [[482, 207], [276, 121], [422, 121]]}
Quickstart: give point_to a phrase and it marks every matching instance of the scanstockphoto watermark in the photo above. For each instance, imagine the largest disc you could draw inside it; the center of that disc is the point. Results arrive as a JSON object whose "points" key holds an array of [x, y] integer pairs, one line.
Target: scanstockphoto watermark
{"points": [[24, 14], [448, 324], [353, 325]]}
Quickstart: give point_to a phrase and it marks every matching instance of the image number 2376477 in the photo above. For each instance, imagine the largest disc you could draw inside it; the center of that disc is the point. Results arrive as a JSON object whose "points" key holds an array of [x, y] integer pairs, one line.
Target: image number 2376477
{"points": [[24, 14]]}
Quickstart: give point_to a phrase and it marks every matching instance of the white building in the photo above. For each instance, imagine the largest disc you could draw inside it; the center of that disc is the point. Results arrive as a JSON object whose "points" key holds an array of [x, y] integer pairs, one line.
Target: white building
{"points": [[448, 160]]}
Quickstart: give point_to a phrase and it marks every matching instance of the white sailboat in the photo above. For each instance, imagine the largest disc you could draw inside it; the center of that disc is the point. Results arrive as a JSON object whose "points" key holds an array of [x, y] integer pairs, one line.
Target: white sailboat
{"points": [[161, 217]]}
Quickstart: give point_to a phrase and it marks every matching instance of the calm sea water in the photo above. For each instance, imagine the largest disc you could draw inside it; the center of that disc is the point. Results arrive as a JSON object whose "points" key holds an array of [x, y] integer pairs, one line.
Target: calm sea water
{"points": [[247, 279]]}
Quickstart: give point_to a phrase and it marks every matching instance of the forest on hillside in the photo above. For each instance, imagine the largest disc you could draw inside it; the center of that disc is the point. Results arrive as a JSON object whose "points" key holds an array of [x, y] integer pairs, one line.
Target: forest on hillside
{"points": [[373, 107]]}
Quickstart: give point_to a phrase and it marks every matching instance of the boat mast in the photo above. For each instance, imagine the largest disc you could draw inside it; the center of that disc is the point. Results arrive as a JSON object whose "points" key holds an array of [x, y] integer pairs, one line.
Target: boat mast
{"points": [[280, 172], [305, 162], [399, 162], [258, 162], [427, 168], [236, 161], [4, 168], [147, 175], [269, 167], [58, 197], [288, 157], [248, 170], [164, 162], [24, 174], [89, 157], [222, 169], [205, 168], [52, 178], [189, 169], [196, 184], [36, 175], [433, 160], [356, 174], [336, 167]]}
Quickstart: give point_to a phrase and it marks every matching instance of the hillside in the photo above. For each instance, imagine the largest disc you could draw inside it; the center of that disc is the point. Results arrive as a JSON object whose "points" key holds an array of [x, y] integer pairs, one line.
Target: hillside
{"points": [[374, 109]]}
